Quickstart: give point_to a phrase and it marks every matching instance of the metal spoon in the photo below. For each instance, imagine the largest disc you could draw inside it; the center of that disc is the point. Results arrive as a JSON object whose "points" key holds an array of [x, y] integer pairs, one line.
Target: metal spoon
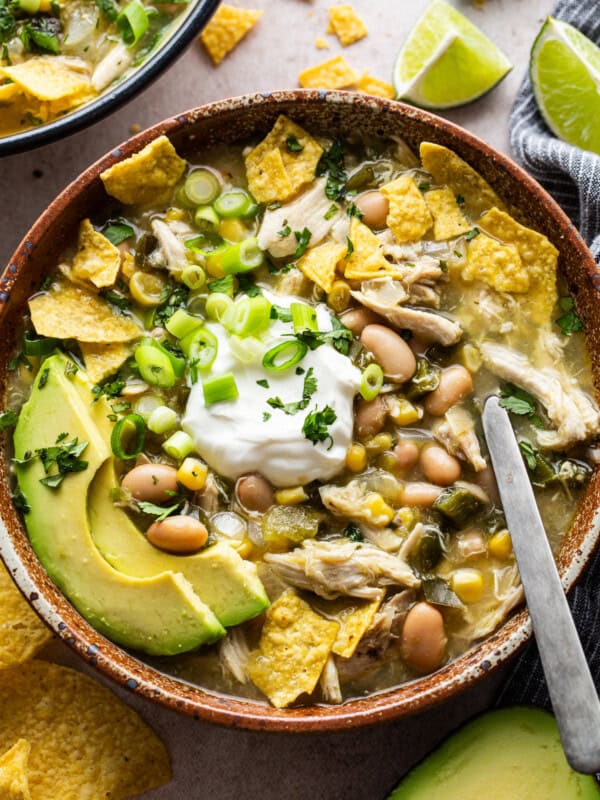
{"points": [[574, 697]]}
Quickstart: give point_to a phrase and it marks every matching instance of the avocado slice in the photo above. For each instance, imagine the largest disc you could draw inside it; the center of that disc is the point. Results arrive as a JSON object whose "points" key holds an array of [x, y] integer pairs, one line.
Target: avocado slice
{"points": [[509, 754], [159, 615]]}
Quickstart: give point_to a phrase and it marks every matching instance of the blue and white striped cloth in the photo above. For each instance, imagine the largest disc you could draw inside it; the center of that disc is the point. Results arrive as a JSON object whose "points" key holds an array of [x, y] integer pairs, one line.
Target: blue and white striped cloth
{"points": [[572, 177]]}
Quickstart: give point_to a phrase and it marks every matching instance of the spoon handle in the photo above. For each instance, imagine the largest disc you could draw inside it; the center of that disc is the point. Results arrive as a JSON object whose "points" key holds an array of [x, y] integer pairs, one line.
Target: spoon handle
{"points": [[572, 692]]}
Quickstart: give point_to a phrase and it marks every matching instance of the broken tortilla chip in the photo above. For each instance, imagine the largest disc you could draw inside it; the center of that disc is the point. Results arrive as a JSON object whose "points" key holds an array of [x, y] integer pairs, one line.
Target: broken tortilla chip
{"points": [[335, 73], [97, 260], [14, 782], [288, 146], [146, 177], [366, 259], [321, 44], [499, 265], [448, 218], [48, 78], [448, 169], [346, 24], [319, 263], [22, 633], [9, 92], [354, 618], [102, 360], [226, 29], [294, 646], [370, 85], [408, 218], [85, 742], [68, 311]]}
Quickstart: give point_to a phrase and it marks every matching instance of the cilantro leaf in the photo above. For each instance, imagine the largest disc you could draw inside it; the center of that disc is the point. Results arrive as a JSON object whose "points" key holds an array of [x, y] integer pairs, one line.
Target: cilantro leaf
{"points": [[354, 533], [472, 234], [331, 211], [108, 9], [517, 400], [8, 419], [569, 322], [354, 211], [302, 238], [315, 427], [308, 389], [157, 511], [332, 164], [63, 455], [340, 337], [528, 453], [293, 145], [118, 232], [224, 285]]}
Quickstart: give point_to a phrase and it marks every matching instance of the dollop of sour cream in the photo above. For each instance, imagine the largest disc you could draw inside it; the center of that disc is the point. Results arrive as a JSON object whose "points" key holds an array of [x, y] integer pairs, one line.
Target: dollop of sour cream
{"points": [[248, 435]]}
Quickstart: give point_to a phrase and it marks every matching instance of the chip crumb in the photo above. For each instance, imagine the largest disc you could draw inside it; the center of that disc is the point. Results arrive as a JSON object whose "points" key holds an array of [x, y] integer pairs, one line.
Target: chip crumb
{"points": [[346, 24], [335, 73], [134, 128], [226, 29], [319, 263], [409, 218], [321, 43], [371, 85], [14, 781]]}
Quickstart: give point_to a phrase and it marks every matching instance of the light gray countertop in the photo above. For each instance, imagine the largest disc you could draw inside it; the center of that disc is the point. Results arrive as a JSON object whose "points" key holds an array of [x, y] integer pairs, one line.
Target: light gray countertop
{"points": [[208, 761]]}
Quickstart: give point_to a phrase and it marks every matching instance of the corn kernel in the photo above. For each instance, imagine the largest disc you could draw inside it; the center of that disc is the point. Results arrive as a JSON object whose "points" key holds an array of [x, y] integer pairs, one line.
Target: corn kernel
{"points": [[381, 514], [339, 296], [291, 496], [403, 412], [192, 474], [378, 444], [356, 458], [468, 585], [233, 230], [500, 545], [176, 214], [387, 461]]}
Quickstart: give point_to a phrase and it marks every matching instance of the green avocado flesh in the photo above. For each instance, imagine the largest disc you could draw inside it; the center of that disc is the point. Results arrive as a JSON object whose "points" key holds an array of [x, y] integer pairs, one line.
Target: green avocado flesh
{"points": [[510, 754], [154, 609]]}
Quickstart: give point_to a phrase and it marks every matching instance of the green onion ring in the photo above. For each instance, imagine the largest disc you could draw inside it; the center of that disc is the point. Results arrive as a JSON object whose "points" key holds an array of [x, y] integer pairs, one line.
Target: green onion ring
{"points": [[119, 432], [297, 349]]}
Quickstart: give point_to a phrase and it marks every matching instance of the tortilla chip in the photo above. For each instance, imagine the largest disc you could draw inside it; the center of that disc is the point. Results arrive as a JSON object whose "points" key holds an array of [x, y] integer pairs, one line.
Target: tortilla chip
{"points": [[367, 259], [499, 265], [408, 218], [293, 649], [538, 255], [72, 312], [333, 74], [48, 78], [146, 177], [97, 260], [103, 360], [14, 782], [275, 172], [127, 266], [448, 218], [354, 618], [321, 44], [22, 633], [226, 29], [447, 168], [370, 85], [9, 92], [319, 263], [85, 743], [346, 24]]}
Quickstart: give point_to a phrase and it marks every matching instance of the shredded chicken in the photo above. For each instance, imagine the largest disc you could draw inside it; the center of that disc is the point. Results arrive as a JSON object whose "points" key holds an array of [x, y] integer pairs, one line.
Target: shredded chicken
{"points": [[234, 653], [421, 295], [481, 621], [333, 568], [172, 249], [471, 543], [330, 682], [457, 433], [571, 410], [208, 499], [112, 66], [356, 501], [386, 538], [411, 541]]}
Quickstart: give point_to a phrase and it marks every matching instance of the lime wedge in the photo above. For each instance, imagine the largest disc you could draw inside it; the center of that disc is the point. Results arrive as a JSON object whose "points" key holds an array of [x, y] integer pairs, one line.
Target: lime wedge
{"points": [[565, 75], [447, 61]]}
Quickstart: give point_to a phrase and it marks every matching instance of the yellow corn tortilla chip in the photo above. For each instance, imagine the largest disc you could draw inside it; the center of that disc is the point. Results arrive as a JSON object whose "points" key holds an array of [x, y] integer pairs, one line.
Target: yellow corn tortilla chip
{"points": [[346, 24], [354, 618], [85, 742], [14, 782], [22, 633], [146, 177], [293, 649], [264, 165], [321, 44], [409, 218], [127, 266], [499, 265], [371, 85], [9, 92], [319, 263], [97, 260], [537, 253], [68, 311], [335, 73], [226, 29], [448, 218], [102, 360], [367, 259], [449, 169], [48, 78]]}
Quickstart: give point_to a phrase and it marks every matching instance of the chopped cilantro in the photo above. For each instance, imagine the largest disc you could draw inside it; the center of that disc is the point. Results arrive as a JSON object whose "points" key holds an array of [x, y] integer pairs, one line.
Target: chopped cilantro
{"points": [[529, 454], [302, 238], [332, 164], [424, 186], [349, 248], [472, 234], [43, 378], [8, 419], [354, 533], [264, 383], [331, 211], [300, 370], [266, 416], [293, 145], [19, 502], [569, 322], [63, 455], [309, 388], [71, 368], [116, 298], [354, 211], [340, 338], [281, 313], [519, 402], [20, 358], [285, 231], [157, 511], [224, 285], [41, 34], [109, 389], [117, 232], [315, 427], [274, 206], [460, 199], [108, 8]]}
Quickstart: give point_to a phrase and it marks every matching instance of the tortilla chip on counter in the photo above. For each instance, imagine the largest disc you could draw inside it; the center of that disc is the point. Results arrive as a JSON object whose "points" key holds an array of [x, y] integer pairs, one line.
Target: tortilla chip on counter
{"points": [[335, 73], [354, 617], [97, 260], [146, 177], [496, 264], [14, 781], [366, 259], [346, 24], [294, 647], [49, 78], [22, 633], [102, 360], [321, 44], [72, 312], [371, 85], [86, 744], [319, 263], [226, 29], [448, 218], [409, 218]]}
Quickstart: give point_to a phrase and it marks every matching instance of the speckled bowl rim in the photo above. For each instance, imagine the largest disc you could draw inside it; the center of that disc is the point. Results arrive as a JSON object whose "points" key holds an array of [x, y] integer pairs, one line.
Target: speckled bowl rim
{"points": [[129, 672]]}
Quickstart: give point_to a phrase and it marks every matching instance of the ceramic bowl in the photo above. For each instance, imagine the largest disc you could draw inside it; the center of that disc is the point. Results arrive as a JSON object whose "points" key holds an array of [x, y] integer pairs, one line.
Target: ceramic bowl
{"points": [[333, 113]]}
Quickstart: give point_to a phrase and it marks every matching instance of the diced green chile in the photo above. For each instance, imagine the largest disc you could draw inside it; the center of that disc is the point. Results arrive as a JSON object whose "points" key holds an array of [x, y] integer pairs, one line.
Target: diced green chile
{"points": [[425, 379], [429, 551], [437, 592], [458, 504]]}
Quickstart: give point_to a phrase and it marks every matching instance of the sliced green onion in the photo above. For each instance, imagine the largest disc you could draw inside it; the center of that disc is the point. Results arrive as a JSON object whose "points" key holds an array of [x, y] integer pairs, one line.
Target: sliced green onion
{"points": [[194, 277], [201, 348], [181, 198], [206, 218], [234, 203], [182, 323], [371, 382], [242, 257], [146, 404], [162, 419], [284, 355], [179, 445], [42, 346], [219, 389], [122, 432], [217, 304], [304, 317], [201, 186], [132, 22], [247, 350], [155, 366], [248, 316]]}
